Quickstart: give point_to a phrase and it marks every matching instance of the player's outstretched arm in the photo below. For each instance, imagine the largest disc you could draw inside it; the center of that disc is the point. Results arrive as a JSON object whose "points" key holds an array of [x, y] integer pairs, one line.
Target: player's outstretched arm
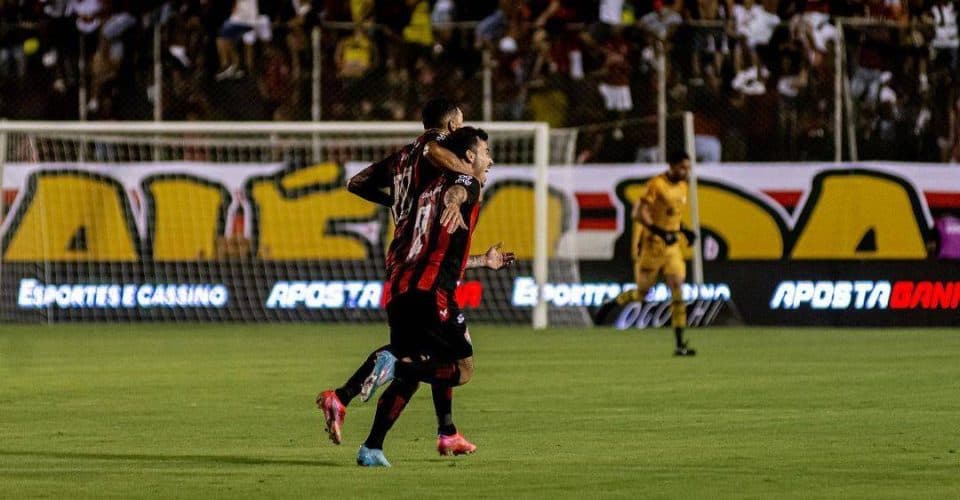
{"points": [[442, 157], [370, 183], [495, 258]]}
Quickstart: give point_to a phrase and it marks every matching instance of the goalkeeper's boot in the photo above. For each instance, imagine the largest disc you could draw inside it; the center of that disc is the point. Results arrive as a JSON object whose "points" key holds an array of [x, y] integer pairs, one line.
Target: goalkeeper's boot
{"points": [[333, 414], [371, 457], [381, 375], [683, 350], [454, 445]]}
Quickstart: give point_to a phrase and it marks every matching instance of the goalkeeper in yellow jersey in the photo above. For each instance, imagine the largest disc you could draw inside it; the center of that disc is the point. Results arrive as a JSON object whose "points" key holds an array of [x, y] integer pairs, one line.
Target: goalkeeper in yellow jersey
{"points": [[658, 251]]}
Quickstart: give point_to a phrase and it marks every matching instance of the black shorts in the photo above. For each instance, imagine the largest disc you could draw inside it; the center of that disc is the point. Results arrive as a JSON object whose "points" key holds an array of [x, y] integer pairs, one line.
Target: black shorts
{"points": [[428, 323]]}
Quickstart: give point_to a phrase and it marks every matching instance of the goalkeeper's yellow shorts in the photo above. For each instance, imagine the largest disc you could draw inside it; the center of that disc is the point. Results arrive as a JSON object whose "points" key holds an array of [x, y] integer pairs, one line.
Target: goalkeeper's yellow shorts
{"points": [[656, 257]]}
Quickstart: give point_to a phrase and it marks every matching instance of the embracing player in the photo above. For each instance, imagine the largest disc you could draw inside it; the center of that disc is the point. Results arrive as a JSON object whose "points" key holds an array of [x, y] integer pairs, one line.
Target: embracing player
{"points": [[659, 212], [428, 332], [404, 174]]}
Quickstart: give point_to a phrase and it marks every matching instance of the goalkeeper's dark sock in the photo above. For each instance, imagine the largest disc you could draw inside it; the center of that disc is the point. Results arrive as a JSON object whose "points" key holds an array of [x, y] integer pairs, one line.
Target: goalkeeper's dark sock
{"points": [[678, 314], [443, 404], [351, 388], [389, 406]]}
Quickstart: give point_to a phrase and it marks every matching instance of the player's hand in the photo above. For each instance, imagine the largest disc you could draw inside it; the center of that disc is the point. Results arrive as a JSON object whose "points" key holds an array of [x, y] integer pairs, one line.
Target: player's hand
{"points": [[689, 234], [452, 219], [497, 259]]}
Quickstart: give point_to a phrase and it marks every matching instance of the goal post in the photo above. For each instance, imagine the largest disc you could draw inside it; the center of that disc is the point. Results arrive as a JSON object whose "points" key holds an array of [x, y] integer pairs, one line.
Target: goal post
{"points": [[540, 271], [689, 143], [243, 221]]}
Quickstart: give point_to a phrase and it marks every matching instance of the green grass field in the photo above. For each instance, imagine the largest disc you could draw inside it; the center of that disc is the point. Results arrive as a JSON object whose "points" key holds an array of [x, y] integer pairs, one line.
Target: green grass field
{"points": [[227, 411]]}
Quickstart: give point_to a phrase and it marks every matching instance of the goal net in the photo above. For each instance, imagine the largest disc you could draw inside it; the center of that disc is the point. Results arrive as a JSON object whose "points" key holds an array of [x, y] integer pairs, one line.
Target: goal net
{"points": [[250, 222]]}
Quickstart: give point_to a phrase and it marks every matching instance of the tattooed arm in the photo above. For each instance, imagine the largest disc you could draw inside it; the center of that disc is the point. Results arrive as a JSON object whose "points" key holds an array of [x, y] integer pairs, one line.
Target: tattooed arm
{"points": [[451, 218]]}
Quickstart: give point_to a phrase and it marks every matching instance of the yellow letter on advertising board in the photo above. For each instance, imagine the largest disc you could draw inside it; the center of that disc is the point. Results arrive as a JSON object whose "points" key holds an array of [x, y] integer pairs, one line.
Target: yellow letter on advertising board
{"points": [[188, 215], [749, 228], [295, 216], [72, 216], [860, 215], [507, 216]]}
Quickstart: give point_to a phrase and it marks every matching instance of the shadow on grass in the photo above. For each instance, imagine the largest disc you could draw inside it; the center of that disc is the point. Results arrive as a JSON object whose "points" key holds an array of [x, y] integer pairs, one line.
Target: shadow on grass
{"points": [[212, 459]]}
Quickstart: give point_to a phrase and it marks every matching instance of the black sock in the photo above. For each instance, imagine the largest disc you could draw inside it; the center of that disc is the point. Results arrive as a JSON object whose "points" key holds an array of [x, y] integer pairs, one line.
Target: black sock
{"points": [[443, 373], [351, 388], [678, 333], [389, 407], [443, 404]]}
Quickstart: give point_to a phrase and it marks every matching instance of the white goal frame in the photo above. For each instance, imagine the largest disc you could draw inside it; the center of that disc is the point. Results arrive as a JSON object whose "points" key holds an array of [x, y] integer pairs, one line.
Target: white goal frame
{"points": [[538, 130]]}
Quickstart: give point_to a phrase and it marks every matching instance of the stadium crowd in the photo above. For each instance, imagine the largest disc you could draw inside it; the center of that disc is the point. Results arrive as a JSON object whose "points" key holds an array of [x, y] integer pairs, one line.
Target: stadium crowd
{"points": [[758, 74]]}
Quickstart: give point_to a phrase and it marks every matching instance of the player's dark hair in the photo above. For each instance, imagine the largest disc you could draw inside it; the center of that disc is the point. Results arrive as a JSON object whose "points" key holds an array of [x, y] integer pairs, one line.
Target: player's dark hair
{"points": [[437, 111], [464, 139], [677, 157]]}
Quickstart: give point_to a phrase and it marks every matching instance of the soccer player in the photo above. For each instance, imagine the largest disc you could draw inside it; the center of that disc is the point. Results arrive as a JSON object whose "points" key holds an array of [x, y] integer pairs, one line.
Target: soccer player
{"points": [[659, 212], [428, 333], [405, 173]]}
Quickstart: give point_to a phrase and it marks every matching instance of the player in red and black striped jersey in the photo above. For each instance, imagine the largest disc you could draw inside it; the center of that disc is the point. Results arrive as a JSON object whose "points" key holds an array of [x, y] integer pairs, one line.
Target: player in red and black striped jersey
{"points": [[428, 333], [405, 173], [434, 258], [394, 182]]}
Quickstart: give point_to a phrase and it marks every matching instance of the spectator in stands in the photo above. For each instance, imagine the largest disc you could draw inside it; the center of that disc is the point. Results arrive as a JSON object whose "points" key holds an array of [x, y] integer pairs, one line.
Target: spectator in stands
{"points": [[441, 16], [277, 84], [61, 34], [753, 27], [509, 79], [242, 20], [660, 23], [710, 43], [356, 57], [392, 17], [494, 27], [546, 99], [791, 83], [951, 142], [418, 34], [870, 63], [88, 17], [615, 73], [290, 20], [615, 12], [943, 14], [362, 11], [552, 11], [887, 10], [813, 30]]}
